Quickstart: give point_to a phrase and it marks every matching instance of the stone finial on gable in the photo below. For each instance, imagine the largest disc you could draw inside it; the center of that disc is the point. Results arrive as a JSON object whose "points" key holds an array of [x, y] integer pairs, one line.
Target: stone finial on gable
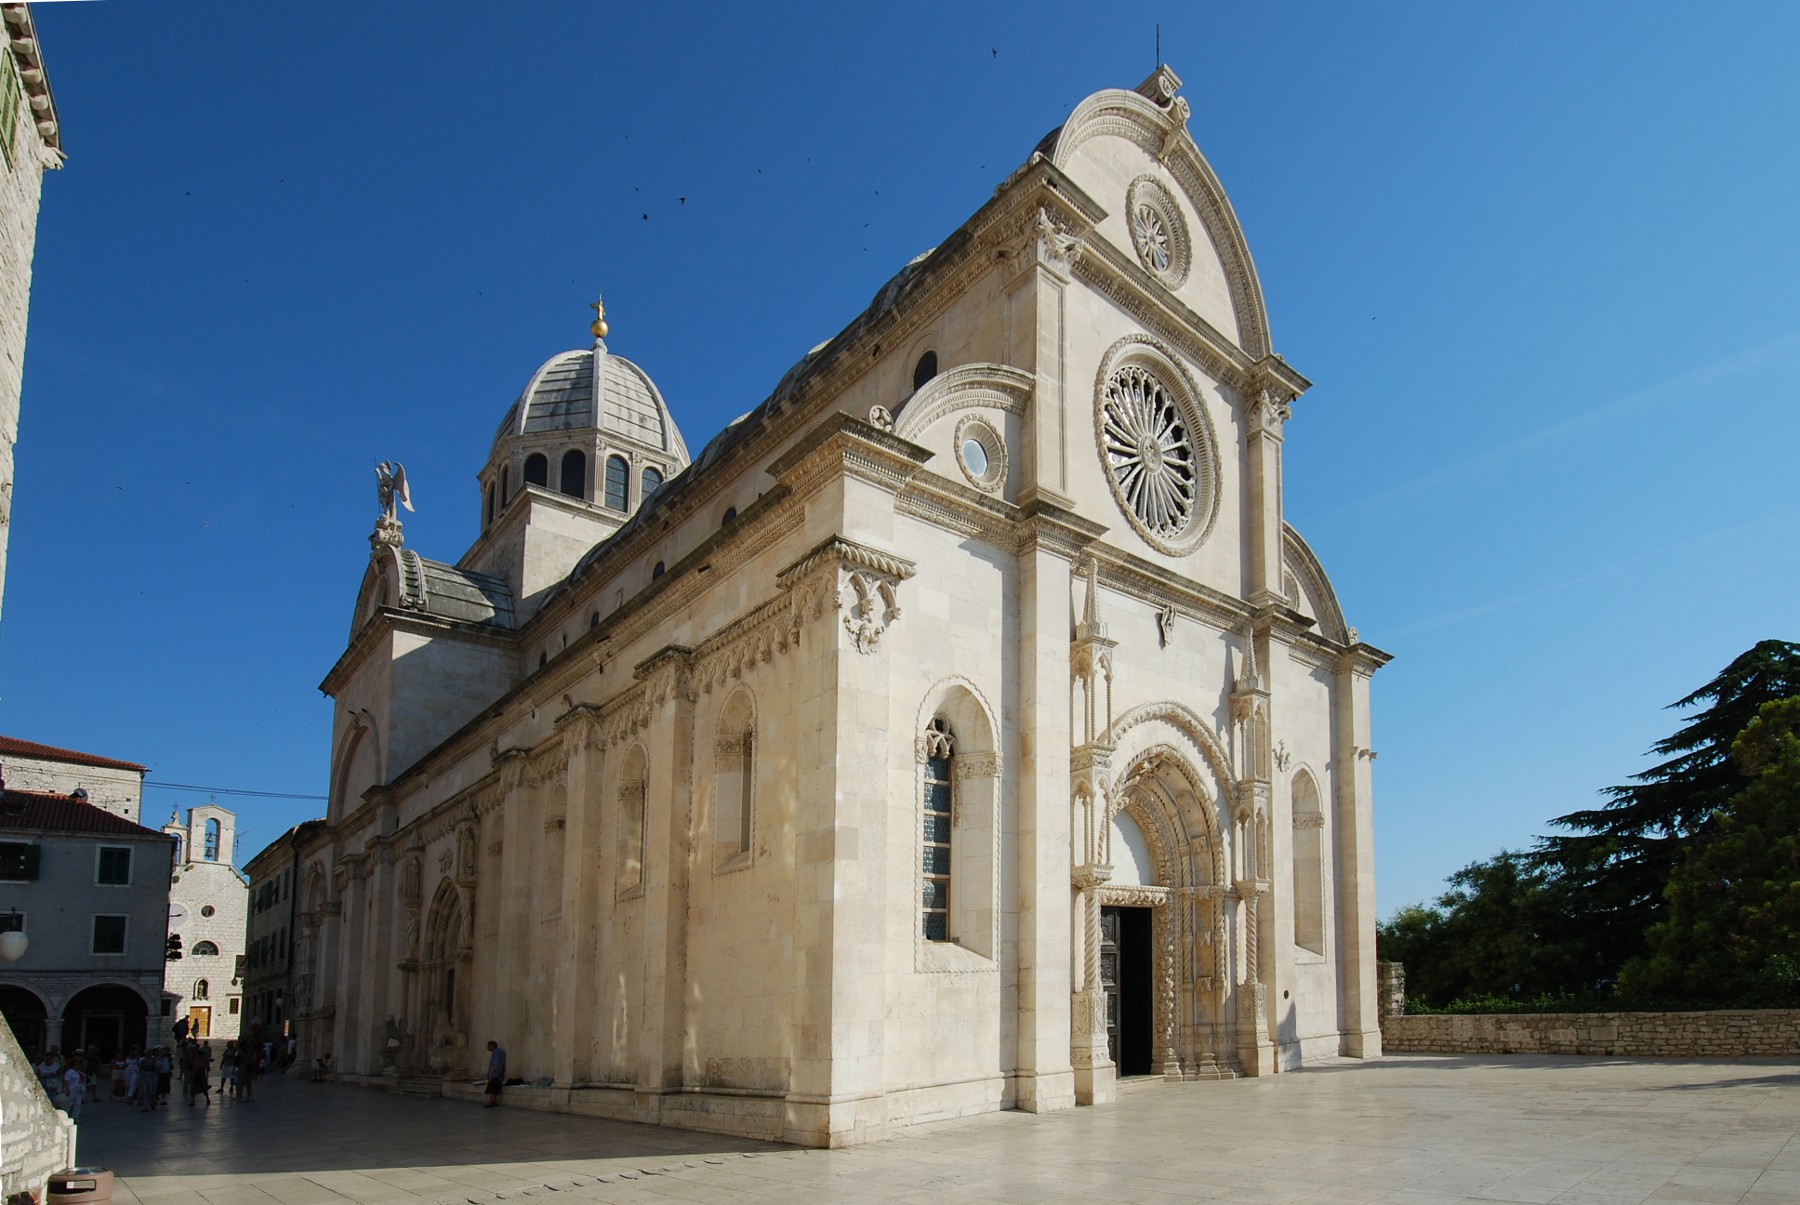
{"points": [[1161, 87]]}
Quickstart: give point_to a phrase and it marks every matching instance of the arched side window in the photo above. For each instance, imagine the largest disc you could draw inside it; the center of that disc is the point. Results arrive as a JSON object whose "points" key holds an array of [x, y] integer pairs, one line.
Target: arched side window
{"points": [[206, 949], [202, 989], [940, 746], [1309, 865], [734, 789], [574, 473], [653, 480], [618, 481], [634, 798], [730, 514], [212, 840], [924, 370], [537, 469], [505, 487], [490, 505], [658, 570]]}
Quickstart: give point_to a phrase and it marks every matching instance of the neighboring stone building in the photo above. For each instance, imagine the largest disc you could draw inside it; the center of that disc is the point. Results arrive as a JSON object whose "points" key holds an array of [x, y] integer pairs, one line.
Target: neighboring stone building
{"points": [[208, 906], [91, 890], [270, 933], [30, 142], [117, 786], [963, 728]]}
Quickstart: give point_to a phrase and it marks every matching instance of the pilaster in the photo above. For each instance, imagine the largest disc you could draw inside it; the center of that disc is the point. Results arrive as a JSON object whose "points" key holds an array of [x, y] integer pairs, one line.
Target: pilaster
{"points": [[669, 694], [1354, 851], [1050, 538], [846, 597]]}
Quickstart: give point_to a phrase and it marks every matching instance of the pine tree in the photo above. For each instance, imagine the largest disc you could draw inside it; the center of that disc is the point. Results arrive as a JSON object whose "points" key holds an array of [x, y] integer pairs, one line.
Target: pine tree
{"points": [[1619, 857], [1733, 926]]}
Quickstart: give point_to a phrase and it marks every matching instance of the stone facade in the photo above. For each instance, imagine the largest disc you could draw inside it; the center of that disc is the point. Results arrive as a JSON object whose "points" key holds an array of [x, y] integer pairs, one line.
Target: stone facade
{"points": [[209, 905], [1743, 1033], [32, 143], [963, 728], [272, 932], [106, 782], [36, 1138], [92, 890]]}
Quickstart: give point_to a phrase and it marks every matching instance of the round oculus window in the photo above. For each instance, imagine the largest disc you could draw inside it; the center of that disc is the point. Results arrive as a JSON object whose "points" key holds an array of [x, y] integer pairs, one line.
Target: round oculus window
{"points": [[1158, 457], [1158, 233], [980, 453], [206, 910]]}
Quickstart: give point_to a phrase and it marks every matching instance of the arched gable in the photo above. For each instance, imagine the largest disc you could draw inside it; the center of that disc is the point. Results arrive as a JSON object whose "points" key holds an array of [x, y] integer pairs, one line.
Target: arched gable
{"points": [[1311, 590], [1160, 130], [965, 387], [356, 767]]}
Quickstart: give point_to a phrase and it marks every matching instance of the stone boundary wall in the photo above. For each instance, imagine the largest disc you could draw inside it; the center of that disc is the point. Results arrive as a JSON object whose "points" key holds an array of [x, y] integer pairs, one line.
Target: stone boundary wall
{"points": [[1742, 1033], [36, 1137]]}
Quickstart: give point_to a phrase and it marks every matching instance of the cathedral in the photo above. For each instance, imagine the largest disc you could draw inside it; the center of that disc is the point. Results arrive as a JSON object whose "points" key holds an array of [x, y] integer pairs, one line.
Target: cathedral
{"points": [[963, 728]]}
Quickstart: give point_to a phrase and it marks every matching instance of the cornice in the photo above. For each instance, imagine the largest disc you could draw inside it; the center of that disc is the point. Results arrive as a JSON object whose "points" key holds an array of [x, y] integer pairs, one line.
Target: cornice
{"points": [[22, 32], [954, 507], [1043, 526], [1106, 270]]}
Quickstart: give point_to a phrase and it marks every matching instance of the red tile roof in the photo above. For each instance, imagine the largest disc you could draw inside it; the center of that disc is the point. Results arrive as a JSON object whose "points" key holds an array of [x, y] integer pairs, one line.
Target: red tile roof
{"points": [[12, 746], [24, 810]]}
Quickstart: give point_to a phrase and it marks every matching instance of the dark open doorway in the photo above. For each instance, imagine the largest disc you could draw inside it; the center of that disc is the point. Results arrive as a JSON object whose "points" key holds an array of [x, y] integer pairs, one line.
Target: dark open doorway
{"points": [[1125, 974]]}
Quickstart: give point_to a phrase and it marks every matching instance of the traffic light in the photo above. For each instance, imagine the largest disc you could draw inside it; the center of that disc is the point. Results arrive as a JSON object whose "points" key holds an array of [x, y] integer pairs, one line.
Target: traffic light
{"points": [[172, 952]]}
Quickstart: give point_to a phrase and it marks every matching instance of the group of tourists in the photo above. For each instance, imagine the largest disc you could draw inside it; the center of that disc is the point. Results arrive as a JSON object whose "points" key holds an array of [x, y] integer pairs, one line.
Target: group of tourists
{"points": [[137, 1076], [144, 1078]]}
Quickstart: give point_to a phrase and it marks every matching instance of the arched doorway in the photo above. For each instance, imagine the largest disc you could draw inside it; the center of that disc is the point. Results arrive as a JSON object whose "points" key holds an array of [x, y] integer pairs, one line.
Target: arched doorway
{"points": [[25, 1012], [1162, 920], [110, 1016], [444, 967]]}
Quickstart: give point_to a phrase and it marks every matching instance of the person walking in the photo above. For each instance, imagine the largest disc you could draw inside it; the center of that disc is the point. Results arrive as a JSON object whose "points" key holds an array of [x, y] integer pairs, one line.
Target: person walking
{"points": [[118, 1075], [133, 1063], [228, 1072], [75, 1086], [496, 1074], [164, 1078], [249, 1067], [146, 1080]]}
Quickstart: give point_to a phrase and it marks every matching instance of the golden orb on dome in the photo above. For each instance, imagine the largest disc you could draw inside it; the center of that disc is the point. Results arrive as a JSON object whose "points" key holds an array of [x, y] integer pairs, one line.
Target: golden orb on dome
{"points": [[598, 326]]}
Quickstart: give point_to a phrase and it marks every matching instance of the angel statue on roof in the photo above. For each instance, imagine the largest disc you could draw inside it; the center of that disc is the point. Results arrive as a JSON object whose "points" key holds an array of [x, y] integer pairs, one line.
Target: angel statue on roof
{"points": [[390, 483]]}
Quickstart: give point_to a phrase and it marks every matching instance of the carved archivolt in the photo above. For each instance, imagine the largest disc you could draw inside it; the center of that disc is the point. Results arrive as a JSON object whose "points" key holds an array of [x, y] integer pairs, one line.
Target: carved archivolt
{"points": [[966, 387], [1184, 720]]}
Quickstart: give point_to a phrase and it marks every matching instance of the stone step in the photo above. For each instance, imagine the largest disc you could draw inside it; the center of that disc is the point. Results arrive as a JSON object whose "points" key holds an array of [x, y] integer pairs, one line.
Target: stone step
{"points": [[418, 1085]]}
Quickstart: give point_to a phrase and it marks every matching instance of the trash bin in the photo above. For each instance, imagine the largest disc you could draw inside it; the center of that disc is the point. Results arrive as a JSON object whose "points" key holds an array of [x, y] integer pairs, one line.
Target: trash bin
{"points": [[80, 1186]]}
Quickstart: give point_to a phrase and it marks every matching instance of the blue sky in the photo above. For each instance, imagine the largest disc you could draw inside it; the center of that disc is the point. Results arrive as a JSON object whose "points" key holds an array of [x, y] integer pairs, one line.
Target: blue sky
{"points": [[1541, 263]]}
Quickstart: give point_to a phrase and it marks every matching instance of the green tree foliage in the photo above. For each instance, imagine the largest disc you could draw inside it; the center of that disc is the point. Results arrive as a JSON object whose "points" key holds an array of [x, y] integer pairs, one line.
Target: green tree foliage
{"points": [[1733, 926], [1503, 929], [1616, 859]]}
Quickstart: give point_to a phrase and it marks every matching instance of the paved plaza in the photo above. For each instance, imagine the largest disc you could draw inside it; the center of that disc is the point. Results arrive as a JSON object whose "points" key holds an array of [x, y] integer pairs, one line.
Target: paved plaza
{"points": [[1418, 1130]]}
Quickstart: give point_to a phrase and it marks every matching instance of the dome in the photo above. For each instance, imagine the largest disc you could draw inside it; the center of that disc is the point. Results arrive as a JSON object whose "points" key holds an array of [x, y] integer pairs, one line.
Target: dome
{"points": [[560, 397]]}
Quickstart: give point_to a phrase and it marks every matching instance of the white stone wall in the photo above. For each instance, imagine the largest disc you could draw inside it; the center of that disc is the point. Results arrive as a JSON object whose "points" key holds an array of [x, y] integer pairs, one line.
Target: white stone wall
{"points": [[120, 792], [36, 1138], [19, 193]]}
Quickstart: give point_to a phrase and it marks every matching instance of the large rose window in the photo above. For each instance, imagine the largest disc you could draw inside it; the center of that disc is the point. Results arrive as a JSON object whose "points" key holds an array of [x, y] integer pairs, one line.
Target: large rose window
{"points": [[1155, 471], [1157, 448]]}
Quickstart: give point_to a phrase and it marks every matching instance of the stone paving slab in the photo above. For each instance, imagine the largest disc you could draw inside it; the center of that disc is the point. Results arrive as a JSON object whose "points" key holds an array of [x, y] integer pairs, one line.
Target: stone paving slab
{"points": [[1405, 1130]]}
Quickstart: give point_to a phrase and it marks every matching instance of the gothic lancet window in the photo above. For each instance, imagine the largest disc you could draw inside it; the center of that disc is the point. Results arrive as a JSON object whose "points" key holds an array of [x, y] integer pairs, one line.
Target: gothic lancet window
{"points": [[634, 801], [537, 469], [574, 473], [935, 877], [618, 481], [734, 769]]}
